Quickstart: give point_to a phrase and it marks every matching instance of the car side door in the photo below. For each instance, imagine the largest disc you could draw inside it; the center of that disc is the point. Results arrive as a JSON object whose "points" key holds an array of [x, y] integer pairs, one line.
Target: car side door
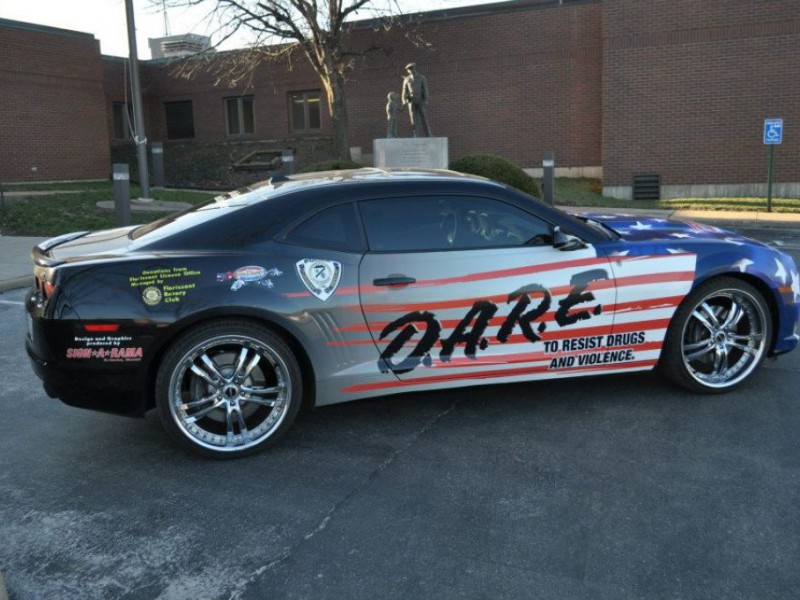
{"points": [[458, 288]]}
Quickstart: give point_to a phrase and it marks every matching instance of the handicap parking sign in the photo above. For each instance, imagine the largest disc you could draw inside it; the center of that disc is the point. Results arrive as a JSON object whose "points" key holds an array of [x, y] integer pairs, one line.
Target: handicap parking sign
{"points": [[773, 131]]}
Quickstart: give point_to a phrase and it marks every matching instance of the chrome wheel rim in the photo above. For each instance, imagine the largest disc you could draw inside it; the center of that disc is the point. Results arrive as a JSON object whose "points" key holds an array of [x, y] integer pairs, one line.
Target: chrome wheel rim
{"points": [[724, 338], [230, 393]]}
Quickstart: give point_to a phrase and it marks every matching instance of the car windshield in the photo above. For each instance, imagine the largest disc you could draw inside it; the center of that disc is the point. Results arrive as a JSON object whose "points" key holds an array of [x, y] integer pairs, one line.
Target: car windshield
{"points": [[602, 228]]}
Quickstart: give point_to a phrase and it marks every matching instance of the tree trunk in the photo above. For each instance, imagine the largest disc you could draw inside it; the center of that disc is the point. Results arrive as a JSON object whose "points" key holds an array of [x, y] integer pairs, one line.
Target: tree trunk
{"points": [[337, 103]]}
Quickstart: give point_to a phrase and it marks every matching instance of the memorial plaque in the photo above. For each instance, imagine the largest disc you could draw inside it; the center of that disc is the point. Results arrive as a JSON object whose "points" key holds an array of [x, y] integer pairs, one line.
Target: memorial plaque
{"points": [[419, 153]]}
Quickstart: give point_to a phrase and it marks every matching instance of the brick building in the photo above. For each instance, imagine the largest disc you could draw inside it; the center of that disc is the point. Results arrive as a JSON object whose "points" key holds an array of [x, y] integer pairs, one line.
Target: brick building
{"points": [[52, 107], [616, 88]]}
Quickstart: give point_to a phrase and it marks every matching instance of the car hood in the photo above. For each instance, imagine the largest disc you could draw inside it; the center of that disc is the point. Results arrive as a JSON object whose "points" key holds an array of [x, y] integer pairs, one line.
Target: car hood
{"points": [[644, 228]]}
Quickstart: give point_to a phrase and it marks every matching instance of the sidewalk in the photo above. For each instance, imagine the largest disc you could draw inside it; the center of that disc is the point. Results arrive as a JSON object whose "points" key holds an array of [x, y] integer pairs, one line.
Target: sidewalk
{"points": [[16, 268]]}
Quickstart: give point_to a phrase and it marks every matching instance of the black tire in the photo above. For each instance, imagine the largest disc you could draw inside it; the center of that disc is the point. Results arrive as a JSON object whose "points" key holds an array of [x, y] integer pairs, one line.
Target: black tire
{"points": [[718, 337], [228, 389]]}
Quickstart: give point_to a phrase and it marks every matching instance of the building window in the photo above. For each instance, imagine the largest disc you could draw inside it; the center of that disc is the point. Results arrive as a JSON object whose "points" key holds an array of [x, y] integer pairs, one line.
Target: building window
{"points": [[180, 120], [305, 111], [239, 115], [123, 120]]}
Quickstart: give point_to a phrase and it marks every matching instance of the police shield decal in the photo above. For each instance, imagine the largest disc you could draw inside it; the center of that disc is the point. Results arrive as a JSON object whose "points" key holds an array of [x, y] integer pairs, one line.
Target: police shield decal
{"points": [[321, 277]]}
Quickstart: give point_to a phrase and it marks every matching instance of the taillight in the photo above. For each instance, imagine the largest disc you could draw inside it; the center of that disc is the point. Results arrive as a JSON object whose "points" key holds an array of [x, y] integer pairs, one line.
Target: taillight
{"points": [[48, 289], [101, 327]]}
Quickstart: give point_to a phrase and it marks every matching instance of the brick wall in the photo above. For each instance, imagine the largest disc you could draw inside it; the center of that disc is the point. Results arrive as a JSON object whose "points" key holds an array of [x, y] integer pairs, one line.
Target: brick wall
{"points": [[52, 112], [687, 86], [540, 92]]}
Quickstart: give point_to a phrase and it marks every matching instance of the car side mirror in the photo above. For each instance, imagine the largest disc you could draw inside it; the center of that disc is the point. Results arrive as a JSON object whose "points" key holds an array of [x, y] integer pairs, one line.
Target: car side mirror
{"points": [[565, 242]]}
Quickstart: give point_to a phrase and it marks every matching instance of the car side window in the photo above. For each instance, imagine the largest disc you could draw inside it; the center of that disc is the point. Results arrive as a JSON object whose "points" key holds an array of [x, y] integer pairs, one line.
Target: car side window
{"points": [[334, 228], [430, 223]]}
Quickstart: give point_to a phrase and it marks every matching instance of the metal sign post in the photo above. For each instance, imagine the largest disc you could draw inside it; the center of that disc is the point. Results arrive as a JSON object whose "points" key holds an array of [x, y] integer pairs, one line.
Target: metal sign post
{"points": [[773, 135], [157, 150], [122, 194], [548, 177]]}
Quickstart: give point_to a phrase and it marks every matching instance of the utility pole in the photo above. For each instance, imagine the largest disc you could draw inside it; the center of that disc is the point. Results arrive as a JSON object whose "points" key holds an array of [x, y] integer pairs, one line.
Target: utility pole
{"points": [[138, 113]]}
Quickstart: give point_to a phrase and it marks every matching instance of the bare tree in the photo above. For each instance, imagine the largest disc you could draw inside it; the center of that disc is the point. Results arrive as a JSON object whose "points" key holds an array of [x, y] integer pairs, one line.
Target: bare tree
{"points": [[315, 28]]}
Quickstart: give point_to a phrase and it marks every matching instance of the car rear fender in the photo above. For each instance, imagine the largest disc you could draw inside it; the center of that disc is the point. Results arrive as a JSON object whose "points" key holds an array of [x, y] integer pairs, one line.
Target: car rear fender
{"points": [[294, 337]]}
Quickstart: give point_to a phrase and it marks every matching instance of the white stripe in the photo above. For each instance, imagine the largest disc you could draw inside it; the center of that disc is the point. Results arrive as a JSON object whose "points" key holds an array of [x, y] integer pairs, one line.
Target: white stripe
{"points": [[12, 302]]}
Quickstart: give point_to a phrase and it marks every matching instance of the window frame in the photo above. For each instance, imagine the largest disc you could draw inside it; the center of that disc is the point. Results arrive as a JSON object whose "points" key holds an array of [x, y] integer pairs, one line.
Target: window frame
{"points": [[304, 94], [359, 245], [167, 123], [127, 116], [240, 114]]}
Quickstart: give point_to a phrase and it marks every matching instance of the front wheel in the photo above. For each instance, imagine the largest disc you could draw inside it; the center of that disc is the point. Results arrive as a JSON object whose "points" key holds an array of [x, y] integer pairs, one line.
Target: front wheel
{"points": [[718, 336], [228, 389]]}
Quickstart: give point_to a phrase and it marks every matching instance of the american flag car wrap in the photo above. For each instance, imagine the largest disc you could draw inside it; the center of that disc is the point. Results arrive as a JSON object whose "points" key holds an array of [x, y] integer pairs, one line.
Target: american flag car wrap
{"points": [[542, 314]]}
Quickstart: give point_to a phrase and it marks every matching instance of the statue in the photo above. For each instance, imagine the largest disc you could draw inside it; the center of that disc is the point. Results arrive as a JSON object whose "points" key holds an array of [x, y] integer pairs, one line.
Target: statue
{"points": [[392, 108], [415, 95]]}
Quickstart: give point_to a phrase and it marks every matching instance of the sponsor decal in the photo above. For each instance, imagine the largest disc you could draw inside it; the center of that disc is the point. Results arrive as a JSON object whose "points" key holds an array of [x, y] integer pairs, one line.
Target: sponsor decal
{"points": [[251, 274], [321, 277], [128, 354], [152, 295], [167, 285], [103, 340]]}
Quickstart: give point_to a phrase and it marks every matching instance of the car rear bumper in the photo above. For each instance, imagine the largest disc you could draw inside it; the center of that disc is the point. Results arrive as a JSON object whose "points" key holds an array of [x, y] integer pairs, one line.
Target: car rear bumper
{"points": [[107, 393]]}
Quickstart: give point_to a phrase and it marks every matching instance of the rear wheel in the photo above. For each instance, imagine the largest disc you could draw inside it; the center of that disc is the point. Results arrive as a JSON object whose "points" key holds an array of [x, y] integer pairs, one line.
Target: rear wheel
{"points": [[718, 336], [228, 389]]}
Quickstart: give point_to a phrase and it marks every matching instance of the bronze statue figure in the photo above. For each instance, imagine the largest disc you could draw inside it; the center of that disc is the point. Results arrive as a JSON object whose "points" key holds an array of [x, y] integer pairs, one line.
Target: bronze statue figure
{"points": [[392, 108], [415, 95]]}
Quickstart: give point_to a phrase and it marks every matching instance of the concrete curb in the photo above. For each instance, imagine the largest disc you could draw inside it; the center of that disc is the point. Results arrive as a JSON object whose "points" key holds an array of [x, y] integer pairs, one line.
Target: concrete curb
{"points": [[15, 284]]}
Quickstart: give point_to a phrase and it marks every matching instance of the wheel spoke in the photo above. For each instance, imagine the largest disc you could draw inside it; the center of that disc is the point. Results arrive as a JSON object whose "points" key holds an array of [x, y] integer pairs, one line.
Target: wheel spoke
{"points": [[202, 413], [196, 403], [749, 337], [695, 351], [735, 315], [720, 362], [705, 316], [243, 374], [262, 391], [197, 370], [235, 417], [240, 362], [261, 401], [212, 367], [748, 349]]}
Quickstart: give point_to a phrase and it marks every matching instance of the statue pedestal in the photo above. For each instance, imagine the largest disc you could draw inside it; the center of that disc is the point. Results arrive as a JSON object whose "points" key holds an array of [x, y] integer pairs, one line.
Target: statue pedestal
{"points": [[419, 153]]}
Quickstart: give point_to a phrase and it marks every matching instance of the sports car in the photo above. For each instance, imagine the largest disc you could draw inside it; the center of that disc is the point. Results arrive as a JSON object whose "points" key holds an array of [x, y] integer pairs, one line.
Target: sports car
{"points": [[325, 288]]}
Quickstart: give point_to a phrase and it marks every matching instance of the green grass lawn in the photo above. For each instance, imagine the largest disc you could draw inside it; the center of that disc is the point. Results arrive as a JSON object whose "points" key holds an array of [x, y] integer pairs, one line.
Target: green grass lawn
{"points": [[77, 211], [589, 192]]}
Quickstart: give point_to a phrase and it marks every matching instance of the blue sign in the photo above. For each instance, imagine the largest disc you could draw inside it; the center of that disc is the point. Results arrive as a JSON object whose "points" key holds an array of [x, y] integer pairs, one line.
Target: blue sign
{"points": [[773, 131]]}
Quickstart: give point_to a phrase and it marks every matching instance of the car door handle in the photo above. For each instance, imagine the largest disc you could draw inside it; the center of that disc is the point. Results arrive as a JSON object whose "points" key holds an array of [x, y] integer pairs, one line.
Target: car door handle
{"points": [[394, 280]]}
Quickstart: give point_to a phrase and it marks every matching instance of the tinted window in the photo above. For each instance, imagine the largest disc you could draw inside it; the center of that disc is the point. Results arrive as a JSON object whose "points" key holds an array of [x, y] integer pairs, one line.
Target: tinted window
{"points": [[334, 228], [448, 223], [180, 120]]}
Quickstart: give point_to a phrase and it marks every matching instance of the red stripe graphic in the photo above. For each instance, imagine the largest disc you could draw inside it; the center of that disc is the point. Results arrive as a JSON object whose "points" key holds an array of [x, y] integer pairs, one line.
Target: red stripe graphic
{"points": [[549, 335], [623, 307], [682, 276]]}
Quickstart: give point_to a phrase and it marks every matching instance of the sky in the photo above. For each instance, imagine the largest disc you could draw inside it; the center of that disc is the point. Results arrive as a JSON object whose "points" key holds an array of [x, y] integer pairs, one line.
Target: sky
{"points": [[105, 19]]}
